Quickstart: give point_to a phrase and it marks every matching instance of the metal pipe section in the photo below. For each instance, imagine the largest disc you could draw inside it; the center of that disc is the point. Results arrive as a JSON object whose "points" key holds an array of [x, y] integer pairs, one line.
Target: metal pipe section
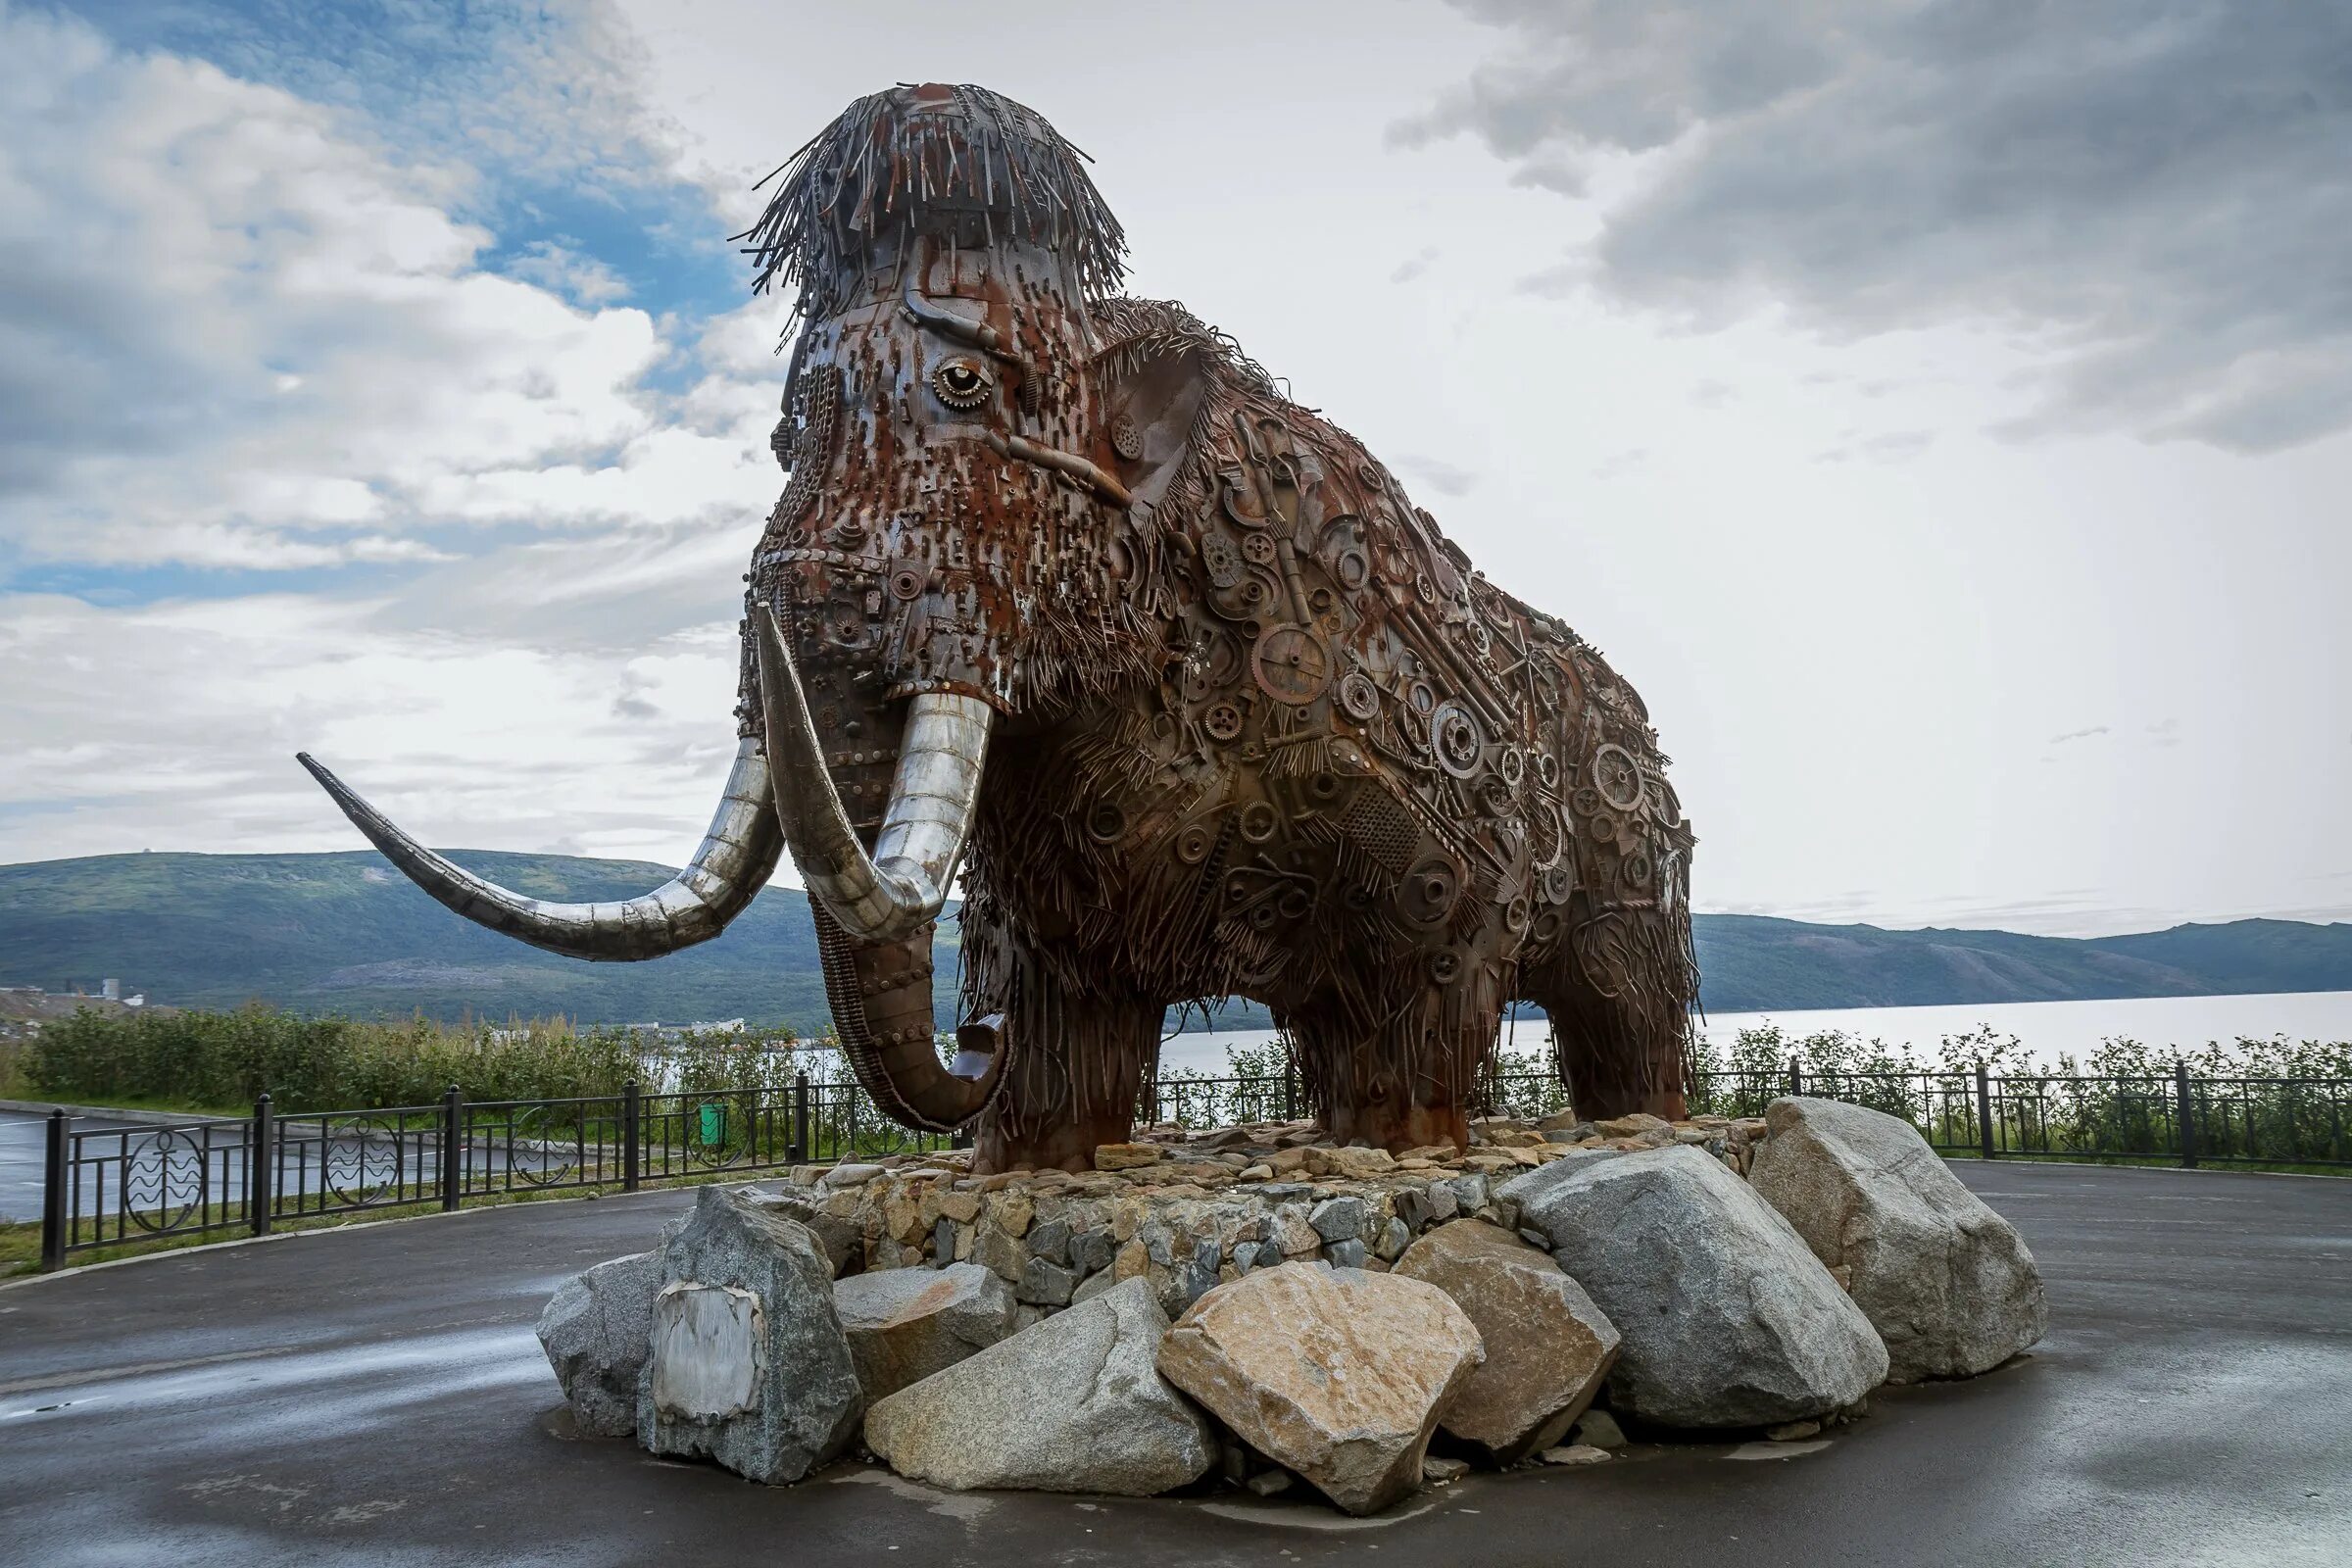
{"points": [[1070, 463], [979, 334], [738, 855]]}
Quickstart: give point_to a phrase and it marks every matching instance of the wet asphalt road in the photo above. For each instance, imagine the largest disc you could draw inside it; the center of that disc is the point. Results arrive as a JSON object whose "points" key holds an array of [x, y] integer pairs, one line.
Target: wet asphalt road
{"points": [[376, 1395], [23, 1143], [22, 1138]]}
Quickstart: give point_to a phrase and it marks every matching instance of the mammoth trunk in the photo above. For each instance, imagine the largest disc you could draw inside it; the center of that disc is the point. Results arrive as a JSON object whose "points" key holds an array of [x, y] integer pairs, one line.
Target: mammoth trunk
{"points": [[875, 909], [880, 994]]}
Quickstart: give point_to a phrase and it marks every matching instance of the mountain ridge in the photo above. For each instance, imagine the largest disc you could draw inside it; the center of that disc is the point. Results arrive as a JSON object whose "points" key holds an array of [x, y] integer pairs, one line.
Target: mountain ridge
{"points": [[343, 932]]}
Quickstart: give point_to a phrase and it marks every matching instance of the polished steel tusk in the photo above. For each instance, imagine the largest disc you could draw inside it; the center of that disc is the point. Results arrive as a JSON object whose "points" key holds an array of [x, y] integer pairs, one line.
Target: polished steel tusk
{"points": [[736, 858], [903, 882]]}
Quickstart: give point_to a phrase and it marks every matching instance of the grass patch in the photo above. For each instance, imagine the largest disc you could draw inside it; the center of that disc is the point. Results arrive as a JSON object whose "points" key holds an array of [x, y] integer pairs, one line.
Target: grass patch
{"points": [[214, 1063], [20, 1249]]}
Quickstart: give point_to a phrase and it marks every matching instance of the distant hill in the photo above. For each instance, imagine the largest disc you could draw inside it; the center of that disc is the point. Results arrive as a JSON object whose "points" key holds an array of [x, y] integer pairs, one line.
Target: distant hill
{"points": [[346, 932]]}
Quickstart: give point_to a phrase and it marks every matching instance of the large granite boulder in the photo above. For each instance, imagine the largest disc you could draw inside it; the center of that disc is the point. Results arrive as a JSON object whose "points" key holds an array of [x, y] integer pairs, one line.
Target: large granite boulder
{"points": [[1947, 1283], [595, 1331], [1548, 1344], [1073, 1403], [1728, 1319], [1336, 1374], [841, 1237], [748, 1362], [906, 1323]]}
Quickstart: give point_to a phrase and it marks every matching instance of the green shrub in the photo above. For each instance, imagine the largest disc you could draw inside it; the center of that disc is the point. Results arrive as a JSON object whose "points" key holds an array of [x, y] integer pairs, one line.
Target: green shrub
{"points": [[226, 1059]]}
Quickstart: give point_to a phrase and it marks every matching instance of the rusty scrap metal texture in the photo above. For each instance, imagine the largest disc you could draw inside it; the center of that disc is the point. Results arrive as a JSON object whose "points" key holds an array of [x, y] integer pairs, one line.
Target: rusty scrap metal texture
{"points": [[1264, 731], [1259, 728]]}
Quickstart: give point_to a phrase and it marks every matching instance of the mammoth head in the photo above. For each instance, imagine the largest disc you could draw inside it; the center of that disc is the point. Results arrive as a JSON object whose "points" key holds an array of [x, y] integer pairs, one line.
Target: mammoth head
{"points": [[953, 522], [951, 548], [952, 552]]}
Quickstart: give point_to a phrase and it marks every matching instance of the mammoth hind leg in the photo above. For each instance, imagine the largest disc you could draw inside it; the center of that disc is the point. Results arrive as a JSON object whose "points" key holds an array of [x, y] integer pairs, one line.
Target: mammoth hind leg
{"points": [[1619, 995]]}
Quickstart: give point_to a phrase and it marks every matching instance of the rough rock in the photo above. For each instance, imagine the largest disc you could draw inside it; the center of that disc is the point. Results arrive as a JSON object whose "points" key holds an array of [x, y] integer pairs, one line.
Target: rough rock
{"points": [[1357, 1164], [1547, 1346], [1598, 1429], [1045, 1284], [843, 1239], [1576, 1453], [1469, 1194], [594, 1332], [1335, 1374], [1092, 1251], [748, 1362], [1072, 1404], [1728, 1319], [1637, 1125], [1338, 1219], [999, 1251], [1126, 1156], [905, 1324], [1947, 1283], [1051, 1241]]}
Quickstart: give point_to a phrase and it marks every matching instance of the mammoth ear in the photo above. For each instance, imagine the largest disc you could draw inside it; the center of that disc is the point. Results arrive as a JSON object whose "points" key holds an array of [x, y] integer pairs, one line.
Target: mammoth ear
{"points": [[1156, 400], [1155, 384]]}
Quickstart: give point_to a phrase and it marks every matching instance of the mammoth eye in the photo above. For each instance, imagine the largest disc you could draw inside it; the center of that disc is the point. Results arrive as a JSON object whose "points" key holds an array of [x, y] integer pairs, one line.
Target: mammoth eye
{"points": [[962, 382]]}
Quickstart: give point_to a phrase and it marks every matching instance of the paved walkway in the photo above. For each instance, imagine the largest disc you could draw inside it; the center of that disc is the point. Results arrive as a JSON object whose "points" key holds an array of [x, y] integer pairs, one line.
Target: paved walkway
{"points": [[376, 1395]]}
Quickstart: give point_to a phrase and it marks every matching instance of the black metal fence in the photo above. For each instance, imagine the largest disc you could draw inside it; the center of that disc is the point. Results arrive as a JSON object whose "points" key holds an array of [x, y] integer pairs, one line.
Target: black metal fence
{"points": [[2176, 1117], [110, 1187]]}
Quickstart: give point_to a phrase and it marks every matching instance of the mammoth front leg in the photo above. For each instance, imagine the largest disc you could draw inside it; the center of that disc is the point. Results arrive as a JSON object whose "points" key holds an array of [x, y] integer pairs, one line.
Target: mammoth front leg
{"points": [[1080, 1054], [1405, 1077]]}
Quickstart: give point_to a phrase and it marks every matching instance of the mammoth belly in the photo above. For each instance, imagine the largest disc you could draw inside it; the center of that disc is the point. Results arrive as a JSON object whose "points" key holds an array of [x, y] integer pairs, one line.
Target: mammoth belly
{"points": [[1250, 871]]}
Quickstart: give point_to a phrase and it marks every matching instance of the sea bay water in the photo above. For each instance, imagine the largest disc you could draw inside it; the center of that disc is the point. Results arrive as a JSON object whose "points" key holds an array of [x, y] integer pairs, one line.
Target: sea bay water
{"points": [[2047, 1029]]}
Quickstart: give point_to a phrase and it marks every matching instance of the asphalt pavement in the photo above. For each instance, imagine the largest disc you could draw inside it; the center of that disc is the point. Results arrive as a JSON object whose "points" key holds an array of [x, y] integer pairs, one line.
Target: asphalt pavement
{"points": [[375, 1394], [24, 1145], [21, 1145]]}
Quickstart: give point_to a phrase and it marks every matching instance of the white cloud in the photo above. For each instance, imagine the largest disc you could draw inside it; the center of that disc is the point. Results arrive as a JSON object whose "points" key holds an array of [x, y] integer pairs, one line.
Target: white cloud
{"points": [[302, 352], [236, 336], [2154, 196], [183, 718], [565, 271]]}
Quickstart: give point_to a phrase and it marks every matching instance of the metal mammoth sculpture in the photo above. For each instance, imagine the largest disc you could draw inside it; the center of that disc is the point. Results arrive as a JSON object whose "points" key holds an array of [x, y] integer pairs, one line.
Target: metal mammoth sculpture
{"points": [[1064, 592]]}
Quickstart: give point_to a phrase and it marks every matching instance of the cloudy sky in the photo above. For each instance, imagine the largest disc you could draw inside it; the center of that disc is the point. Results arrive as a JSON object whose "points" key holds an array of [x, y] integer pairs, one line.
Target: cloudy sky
{"points": [[1942, 412]]}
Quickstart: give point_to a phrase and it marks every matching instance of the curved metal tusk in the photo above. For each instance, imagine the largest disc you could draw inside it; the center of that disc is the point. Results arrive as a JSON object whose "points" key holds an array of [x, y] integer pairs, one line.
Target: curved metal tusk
{"points": [[737, 856], [1070, 463], [903, 884]]}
